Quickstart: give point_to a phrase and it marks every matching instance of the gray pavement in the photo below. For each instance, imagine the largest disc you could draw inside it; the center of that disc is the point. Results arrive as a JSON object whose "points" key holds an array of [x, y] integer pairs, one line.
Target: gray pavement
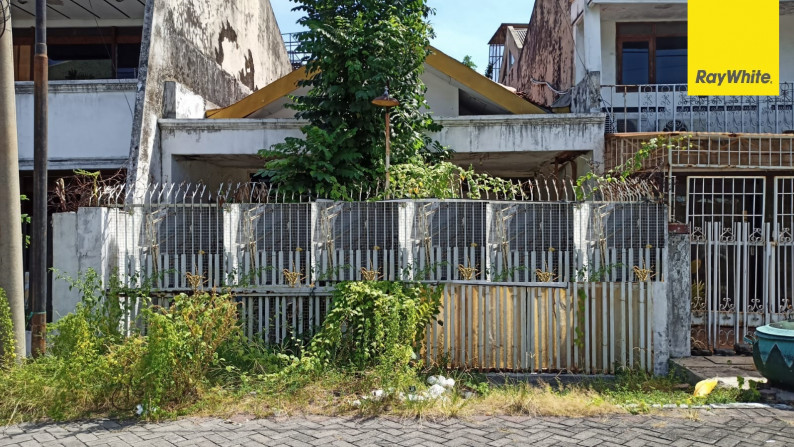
{"points": [[718, 427]]}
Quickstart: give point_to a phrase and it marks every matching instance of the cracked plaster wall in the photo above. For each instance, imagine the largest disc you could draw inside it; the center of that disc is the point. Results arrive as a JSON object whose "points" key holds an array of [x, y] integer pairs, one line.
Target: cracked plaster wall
{"points": [[547, 54], [220, 50]]}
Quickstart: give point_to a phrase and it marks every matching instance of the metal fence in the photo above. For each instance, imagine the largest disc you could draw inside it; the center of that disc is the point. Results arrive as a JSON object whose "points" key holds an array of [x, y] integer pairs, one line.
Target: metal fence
{"points": [[281, 259], [669, 108]]}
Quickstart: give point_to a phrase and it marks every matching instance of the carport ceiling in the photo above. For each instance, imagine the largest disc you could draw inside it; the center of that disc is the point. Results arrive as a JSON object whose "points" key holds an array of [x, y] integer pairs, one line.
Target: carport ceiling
{"points": [[80, 9]]}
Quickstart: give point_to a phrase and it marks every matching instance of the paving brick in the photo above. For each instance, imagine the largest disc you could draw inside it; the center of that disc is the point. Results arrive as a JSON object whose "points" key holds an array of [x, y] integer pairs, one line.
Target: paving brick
{"points": [[719, 427]]}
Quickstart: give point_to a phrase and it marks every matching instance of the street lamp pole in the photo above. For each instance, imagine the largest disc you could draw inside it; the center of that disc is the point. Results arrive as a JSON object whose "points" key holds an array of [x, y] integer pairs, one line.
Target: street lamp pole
{"points": [[38, 277], [387, 102]]}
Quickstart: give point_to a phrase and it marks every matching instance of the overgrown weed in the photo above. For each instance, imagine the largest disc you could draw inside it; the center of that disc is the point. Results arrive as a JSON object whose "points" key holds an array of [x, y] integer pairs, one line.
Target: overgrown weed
{"points": [[193, 359]]}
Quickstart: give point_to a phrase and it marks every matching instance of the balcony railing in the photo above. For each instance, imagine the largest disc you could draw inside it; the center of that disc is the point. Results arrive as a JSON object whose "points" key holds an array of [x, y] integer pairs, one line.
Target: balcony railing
{"points": [[668, 108]]}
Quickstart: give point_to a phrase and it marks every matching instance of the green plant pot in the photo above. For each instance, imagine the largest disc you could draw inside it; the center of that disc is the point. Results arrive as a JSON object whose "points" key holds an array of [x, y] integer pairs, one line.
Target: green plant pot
{"points": [[773, 352]]}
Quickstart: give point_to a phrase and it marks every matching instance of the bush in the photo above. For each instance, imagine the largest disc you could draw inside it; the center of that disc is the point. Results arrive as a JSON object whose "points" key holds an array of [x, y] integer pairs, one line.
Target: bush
{"points": [[8, 353], [373, 333], [181, 345], [376, 325], [88, 372]]}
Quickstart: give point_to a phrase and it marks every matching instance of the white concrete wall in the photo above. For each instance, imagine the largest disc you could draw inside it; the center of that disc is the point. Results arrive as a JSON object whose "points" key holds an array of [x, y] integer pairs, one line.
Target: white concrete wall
{"points": [[89, 123], [216, 151], [523, 133], [609, 55], [102, 239], [441, 96], [65, 262]]}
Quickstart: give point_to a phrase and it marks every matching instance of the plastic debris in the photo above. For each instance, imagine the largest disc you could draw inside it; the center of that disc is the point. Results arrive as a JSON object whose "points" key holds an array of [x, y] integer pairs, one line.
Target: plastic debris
{"points": [[436, 391], [705, 387]]}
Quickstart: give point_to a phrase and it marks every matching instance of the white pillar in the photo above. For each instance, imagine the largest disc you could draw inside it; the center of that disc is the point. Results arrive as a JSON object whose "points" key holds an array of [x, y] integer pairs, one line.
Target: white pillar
{"points": [[592, 37], [230, 271], [660, 328], [406, 219], [581, 240], [65, 261]]}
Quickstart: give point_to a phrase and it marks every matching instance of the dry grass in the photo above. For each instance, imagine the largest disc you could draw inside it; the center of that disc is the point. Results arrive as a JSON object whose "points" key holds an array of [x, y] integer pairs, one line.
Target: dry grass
{"points": [[527, 400], [318, 398], [692, 415]]}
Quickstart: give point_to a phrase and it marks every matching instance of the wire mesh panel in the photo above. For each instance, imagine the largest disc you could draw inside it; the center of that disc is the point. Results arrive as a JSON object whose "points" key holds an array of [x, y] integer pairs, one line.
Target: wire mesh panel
{"points": [[357, 240], [273, 243], [176, 239], [529, 240], [449, 240]]}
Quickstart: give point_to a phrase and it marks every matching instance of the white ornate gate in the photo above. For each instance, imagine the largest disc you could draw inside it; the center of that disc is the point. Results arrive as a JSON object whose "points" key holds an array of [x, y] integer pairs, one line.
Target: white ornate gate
{"points": [[742, 261]]}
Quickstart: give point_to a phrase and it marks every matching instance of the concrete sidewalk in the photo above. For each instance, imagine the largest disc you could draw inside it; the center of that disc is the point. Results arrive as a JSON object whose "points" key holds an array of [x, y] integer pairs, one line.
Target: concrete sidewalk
{"points": [[721, 427]]}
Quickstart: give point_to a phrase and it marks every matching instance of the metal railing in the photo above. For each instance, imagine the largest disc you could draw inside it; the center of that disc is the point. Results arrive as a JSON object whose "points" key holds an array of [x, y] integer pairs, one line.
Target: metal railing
{"points": [[296, 58], [669, 108]]}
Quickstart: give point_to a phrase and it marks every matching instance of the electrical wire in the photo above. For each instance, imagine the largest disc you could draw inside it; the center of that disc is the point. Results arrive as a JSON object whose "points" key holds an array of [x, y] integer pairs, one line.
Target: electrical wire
{"points": [[5, 15], [590, 87], [551, 87]]}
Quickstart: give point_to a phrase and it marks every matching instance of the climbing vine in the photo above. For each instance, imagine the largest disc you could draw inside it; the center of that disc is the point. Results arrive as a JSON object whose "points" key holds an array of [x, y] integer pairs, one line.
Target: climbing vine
{"points": [[622, 172], [445, 180]]}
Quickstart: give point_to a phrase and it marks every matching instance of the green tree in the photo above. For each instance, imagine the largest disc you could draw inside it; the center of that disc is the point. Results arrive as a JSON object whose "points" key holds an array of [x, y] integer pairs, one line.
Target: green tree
{"points": [[469, 62], [358, 48], [489, 70]]}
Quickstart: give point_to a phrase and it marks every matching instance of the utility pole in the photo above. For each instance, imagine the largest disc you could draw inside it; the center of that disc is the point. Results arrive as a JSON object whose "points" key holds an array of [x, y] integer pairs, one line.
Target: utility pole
{"points": [[11, 274], [38, 277]]}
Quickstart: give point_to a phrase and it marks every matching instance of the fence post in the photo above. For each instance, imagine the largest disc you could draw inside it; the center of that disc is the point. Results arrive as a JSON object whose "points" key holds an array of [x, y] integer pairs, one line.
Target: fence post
{"points": [[230, 270], [65, 261], [679, 290], [489, 233], [661, 327], [406, 219], [81, 241], [581, 239]]}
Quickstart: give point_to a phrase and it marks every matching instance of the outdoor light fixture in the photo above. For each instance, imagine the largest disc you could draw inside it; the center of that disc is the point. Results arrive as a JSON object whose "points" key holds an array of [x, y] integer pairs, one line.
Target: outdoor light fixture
{"points": [[386, 102]]}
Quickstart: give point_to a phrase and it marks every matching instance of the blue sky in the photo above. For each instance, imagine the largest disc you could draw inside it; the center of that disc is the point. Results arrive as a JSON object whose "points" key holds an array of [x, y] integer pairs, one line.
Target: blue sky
{"points": [[463, 27]]}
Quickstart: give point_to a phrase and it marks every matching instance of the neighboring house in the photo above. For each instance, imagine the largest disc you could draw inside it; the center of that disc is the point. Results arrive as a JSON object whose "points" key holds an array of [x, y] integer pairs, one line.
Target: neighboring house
{"points": [[118, 66], [504, 49], [487, 125], [732, 179], [113, 66]]}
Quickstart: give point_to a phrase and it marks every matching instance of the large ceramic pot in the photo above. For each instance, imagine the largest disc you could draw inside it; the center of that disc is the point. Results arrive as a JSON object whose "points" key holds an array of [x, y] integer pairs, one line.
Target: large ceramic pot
{"points": [[773, 352]]}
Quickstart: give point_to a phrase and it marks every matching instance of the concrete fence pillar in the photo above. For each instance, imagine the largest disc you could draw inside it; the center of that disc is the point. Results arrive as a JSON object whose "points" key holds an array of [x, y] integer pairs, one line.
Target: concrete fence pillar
{"points": [[582, 239], [406, 217], [679, 290], [232, 218], [81, 241], [65, 262], [660, 327]]}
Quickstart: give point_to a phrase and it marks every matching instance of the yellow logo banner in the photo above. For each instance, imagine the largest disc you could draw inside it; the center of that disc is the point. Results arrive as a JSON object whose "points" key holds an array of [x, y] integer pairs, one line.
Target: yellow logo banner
{"points": [[734, 47]]}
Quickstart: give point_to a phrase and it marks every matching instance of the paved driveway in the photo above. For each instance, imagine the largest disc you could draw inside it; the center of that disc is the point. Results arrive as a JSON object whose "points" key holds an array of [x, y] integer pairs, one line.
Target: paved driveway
{"points": [[718, 427]]}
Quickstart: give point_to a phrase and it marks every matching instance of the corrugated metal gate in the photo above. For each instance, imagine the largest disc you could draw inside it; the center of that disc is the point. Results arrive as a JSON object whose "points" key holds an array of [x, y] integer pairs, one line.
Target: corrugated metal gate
{"points": [[742, 256]]}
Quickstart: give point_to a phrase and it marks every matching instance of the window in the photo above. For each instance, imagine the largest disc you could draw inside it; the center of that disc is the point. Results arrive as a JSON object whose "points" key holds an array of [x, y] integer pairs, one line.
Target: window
{"points": [[81, 53], [652, 53]]}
